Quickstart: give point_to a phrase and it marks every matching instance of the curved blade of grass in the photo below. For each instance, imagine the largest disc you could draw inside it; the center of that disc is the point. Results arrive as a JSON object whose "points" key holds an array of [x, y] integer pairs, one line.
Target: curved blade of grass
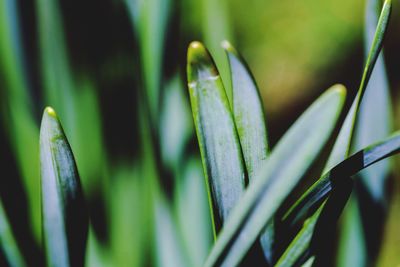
{"points": [[248, 113], [216, 133], [374, 120], [65, 219], [297, 149], [342, 145], [319, 192], [8, 244]]}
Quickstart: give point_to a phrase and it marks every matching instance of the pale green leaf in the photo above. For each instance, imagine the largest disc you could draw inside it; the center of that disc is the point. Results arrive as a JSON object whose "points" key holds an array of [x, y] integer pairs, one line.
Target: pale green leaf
{"points": [[248, 113], [65, 218]]}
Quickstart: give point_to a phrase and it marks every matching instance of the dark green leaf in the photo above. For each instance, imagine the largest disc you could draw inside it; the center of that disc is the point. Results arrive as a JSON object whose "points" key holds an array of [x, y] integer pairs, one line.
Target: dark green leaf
{"points": [[298, 149], [65, 219], [318, 193], [347, 168], [216, 133]]}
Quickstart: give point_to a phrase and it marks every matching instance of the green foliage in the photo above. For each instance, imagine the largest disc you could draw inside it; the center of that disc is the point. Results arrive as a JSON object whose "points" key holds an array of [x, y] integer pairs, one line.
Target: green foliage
{"points": [[65, 218], [169, 204]]}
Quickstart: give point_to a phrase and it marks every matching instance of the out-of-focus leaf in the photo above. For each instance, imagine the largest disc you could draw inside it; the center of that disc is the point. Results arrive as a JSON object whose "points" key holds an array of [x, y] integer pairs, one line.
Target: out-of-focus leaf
{"points": [[350, 241], [176, 124], [298, 148], [343, 142], [168, 243], [16, 107], [248, 113], [96, 254], [150, 18], [216, 27], [193, 212], [127, 212], [8, 244], [65, 219], [216, 133], [309, 263], [57, 76]]}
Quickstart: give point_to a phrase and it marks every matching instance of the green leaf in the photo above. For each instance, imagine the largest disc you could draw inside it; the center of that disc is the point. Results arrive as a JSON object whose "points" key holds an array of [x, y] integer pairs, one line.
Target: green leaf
{"points": [[65, 219], [216, 133], [193, 212], [298, 148], [8, 244], [320, 191], [168, 243], [375, 119], [176, 123], [343, 142], [17, 109], [150, 21], [248, 113]]}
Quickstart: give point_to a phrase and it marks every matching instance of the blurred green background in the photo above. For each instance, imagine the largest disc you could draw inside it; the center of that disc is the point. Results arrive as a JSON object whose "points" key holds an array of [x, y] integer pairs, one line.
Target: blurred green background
{"points": [[114, 70]]}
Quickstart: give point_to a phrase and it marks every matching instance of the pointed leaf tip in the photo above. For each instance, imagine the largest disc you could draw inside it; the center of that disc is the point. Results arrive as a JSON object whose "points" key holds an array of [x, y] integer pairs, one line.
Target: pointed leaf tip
{"points": [[200, 64], [65, 218], [50, 111]]}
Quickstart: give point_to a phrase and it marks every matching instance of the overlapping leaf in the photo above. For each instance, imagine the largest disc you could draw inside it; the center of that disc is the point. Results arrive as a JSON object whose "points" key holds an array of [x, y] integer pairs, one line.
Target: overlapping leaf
{"points": [[216, 133], [297, 149]]}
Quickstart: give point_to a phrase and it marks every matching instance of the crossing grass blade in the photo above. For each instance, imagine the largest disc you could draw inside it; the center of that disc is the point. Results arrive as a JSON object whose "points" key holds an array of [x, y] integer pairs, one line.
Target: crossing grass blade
{"points": [[65, 219], [297, 149], [343, 142], [320, 191], [347, 168], [216, 132]]}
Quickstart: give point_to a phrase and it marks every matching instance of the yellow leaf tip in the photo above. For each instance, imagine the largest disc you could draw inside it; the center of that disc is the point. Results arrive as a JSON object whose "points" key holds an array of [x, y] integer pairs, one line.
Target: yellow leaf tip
{"points": [[50, 111], [197, 52]]}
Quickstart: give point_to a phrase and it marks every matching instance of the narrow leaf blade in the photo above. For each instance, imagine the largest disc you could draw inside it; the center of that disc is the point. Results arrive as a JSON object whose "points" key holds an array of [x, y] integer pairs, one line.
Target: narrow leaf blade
{"points": [[248, 112], [65, 219], [250, 122], [343, 142]]}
